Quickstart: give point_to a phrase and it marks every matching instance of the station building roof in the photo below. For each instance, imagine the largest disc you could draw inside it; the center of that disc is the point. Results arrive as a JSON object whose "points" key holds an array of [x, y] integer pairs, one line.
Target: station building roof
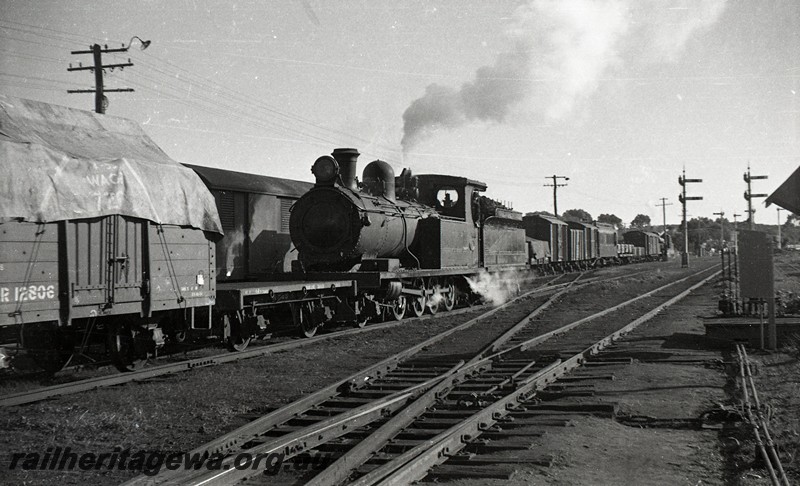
{"points": [[787, 195]]}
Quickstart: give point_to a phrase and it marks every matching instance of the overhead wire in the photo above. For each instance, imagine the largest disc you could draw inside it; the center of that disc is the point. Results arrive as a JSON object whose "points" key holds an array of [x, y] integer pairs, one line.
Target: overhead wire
{"points": [[195, 80], [232, 106]]}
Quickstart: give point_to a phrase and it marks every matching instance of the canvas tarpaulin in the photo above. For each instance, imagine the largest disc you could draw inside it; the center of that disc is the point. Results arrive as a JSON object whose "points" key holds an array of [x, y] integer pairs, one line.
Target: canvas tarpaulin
{"points": [[59, 163], [787, 195]]}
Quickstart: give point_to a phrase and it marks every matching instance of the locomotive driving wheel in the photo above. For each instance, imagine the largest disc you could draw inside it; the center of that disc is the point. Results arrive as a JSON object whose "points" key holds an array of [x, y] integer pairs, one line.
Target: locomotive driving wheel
{"points": [[449, 294], [435, 298], [417, 304]]}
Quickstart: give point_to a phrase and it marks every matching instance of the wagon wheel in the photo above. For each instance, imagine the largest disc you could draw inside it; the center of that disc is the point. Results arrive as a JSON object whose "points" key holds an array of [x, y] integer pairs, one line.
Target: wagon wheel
{"points": [[179, 336], [363, 316], [436, 296], [238, 338], [361, 320], [417, 304], [122, 340], [449, 294], [48, 348], [302, 319], [398, 309]]}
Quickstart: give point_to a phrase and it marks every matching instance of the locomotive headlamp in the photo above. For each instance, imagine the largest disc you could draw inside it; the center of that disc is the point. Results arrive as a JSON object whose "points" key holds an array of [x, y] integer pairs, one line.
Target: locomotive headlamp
{"points": [[325, 169]]}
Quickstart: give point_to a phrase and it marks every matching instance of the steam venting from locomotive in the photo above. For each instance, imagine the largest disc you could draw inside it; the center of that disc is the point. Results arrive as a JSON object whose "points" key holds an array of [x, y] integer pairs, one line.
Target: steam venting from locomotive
{"points": [[560, 52], [496, 288]]}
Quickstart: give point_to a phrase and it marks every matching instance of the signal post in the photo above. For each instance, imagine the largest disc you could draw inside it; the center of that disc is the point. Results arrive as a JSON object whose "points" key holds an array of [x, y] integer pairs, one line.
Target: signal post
{"points": [[748, 195], [682, 197]]}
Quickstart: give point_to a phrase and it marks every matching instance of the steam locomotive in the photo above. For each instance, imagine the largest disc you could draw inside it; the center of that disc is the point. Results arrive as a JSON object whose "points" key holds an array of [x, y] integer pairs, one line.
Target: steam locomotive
{"points": [[116, 262], [409, 241], [439, 222]]}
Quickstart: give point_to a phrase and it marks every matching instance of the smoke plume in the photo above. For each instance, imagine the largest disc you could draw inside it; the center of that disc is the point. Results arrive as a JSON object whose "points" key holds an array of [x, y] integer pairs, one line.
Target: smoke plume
{"points": [[560, 50]]}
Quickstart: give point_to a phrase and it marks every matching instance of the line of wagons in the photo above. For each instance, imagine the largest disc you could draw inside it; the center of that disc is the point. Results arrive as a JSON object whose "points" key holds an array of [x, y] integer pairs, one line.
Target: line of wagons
{"points": [[560, 245], [129, 283]]}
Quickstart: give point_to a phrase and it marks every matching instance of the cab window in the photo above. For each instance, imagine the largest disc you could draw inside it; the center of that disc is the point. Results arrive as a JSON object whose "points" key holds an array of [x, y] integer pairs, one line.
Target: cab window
{"points": [[449, 202], [447, 197]]}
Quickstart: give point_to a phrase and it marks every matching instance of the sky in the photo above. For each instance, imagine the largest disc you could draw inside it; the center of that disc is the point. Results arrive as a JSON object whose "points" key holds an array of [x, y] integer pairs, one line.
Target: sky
{"points": [[617, 95]]}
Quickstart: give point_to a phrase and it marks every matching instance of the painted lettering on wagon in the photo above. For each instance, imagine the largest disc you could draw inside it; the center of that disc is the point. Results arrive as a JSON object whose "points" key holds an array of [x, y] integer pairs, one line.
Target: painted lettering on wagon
{"points": [[106, 183], [103, 179], [24, 294]]}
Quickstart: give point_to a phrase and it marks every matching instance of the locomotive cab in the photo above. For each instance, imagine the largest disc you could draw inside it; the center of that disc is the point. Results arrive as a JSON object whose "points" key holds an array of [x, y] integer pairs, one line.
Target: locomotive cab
{"points": [[452, 197], [472, 230]]}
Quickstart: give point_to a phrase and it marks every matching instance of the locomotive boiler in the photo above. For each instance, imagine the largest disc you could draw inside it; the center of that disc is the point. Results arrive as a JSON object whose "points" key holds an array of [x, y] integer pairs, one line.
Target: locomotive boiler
{"points": [[337, 226]]}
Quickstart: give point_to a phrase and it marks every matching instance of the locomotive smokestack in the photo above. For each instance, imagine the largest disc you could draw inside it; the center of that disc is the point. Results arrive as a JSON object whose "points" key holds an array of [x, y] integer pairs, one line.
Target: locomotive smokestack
{"points": [[346, 157]]}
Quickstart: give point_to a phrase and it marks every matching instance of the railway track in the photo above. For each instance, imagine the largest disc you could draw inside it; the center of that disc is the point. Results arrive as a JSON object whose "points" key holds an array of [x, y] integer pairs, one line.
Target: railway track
{"points": [[391, 422], [150, 372]]}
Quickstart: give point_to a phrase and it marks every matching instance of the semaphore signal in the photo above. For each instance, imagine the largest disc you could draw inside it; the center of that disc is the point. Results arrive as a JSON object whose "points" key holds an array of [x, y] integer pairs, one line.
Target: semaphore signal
{"points": [[682, 197]]}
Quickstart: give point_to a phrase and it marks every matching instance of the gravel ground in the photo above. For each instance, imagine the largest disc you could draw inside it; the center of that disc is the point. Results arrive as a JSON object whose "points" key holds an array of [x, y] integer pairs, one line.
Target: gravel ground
{"points": [[603, 451], [179, 412]]}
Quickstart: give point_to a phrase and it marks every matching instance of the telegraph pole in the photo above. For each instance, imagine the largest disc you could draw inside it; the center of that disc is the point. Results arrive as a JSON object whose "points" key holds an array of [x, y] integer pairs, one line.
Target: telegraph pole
{"points": [[736, 230], [664, 212], [721, 213], [779, 227], [682, 180], [555, 185], [748, 195], [100, 101]]}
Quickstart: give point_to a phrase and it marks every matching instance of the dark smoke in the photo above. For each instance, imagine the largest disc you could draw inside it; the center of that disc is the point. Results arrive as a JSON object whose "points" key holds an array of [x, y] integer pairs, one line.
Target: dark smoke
{"points": [[495, 90], [574, 43]]}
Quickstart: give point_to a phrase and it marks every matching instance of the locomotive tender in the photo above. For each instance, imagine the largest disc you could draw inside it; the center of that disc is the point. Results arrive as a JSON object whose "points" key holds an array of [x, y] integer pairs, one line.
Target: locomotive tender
{"points": [[105, 239]]}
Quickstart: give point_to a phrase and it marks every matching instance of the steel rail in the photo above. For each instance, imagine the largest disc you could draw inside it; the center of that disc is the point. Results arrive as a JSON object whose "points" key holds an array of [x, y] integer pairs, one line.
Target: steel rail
{"points": [[563, 329], [357, 455], [32, 396], [242, 434], [762, 420], [342, 468], [749, 411], [228, 357], [759, 423], [231, 475], [233, 438], [311, 437], [505, 337], [415, 463]]}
